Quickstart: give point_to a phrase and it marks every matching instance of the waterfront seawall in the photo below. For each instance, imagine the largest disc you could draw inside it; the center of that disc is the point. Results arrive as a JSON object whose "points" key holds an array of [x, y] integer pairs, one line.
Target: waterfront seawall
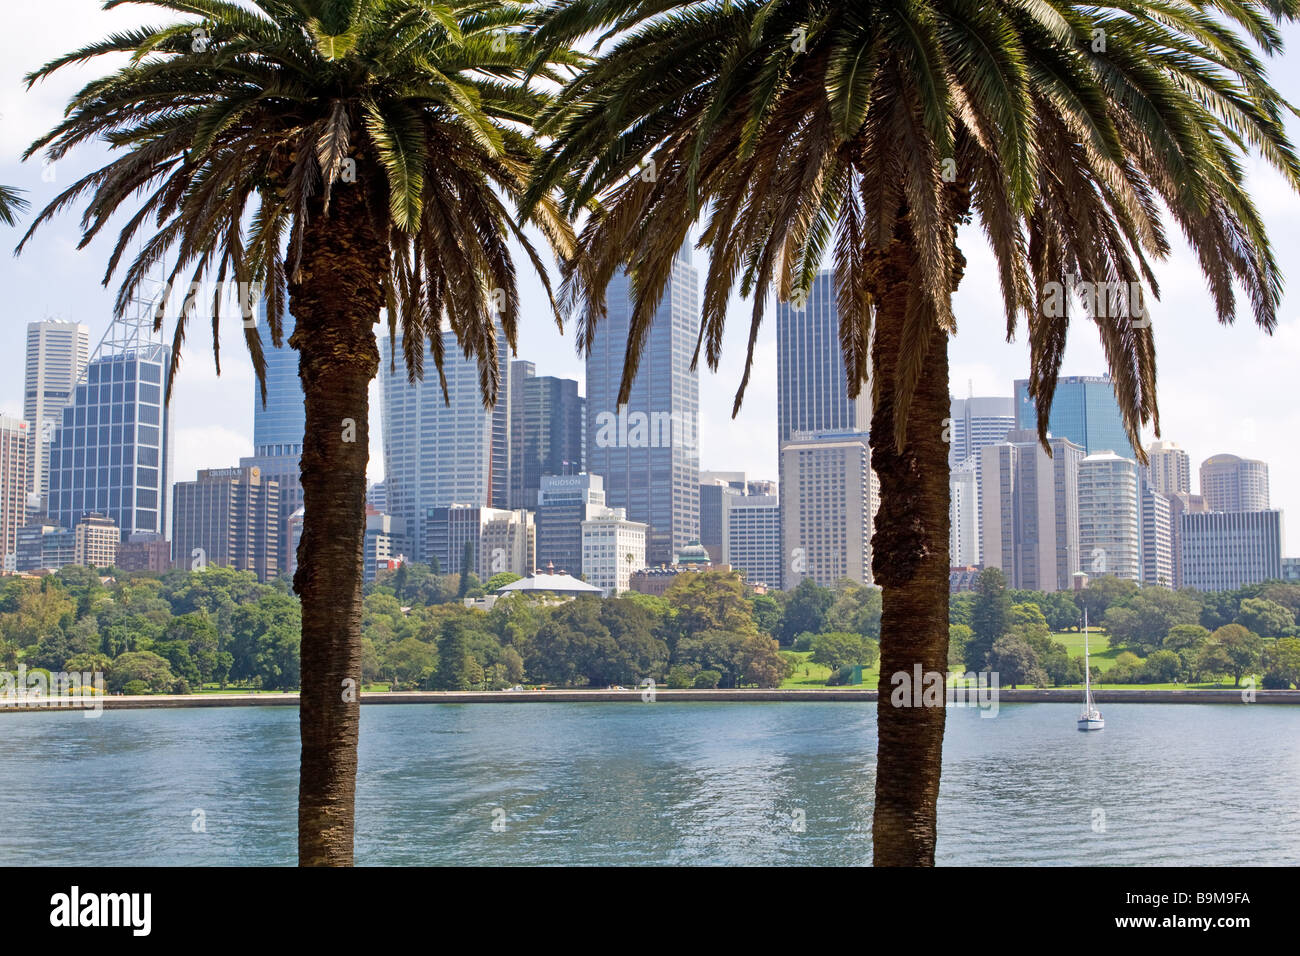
{"points": [[661, 695]]}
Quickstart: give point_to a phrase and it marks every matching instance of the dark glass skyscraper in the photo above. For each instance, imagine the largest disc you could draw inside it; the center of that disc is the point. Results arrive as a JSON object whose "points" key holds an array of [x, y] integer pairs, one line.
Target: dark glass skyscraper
{"points": [[278, 426], [112, 454], [546, 431], [647, 451], [812, 389], [1084, 410], [440, 452]]}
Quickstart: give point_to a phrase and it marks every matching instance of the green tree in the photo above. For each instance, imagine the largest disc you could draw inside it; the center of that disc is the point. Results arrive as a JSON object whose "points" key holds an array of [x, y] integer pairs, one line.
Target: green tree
{"points": [[1145, 619], [144, 666], [357, 156], [1265, 618], [836, 649], [500, 580], [1243, 649], [1282, 663], [805, 610], [710, 601], [466, 570], [990, 617], [1015, 662], [958, 637]]}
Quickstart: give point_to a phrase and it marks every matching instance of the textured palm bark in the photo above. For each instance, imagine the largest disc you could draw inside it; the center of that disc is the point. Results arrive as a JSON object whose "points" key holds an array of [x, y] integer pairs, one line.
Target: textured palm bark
{"points": [[335, 302], [910, 562]]}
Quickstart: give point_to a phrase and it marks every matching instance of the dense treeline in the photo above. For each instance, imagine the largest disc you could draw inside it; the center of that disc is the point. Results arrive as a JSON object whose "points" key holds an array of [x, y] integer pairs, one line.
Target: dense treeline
{"points": [[1166, 636], [177, 631], [153, 633]]}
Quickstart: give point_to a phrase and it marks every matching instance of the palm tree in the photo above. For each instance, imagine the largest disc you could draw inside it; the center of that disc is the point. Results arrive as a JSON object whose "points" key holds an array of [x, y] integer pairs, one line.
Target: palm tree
{"points": [[11, 204], [868, 132], [360, 156]]}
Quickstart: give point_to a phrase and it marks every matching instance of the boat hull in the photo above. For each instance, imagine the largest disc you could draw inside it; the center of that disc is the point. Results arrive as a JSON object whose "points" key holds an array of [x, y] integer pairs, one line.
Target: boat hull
{"points": [[1091, 723]]}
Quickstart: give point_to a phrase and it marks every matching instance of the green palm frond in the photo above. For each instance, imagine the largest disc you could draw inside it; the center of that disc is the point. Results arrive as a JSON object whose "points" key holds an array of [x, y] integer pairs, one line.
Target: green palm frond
{"points": [[1071, 131], [230, 122]]}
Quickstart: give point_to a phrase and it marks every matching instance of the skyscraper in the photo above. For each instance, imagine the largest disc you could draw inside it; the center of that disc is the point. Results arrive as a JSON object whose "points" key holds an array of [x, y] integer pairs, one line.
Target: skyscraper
{"points": [[964, 514], [751, 540], [57, 353], [1110, 540], [977, 422], [230, 518], [829, 500], [1223, 551], [647, 451], [441, 452], [1170, 470], [1157, 535], [1084, 410], [1229, 483], [715, 494], [278, 428], [15, 461], [1030, 518], [112, 454], [812, 391], [545, 431], [563, 504], [613, 546]]}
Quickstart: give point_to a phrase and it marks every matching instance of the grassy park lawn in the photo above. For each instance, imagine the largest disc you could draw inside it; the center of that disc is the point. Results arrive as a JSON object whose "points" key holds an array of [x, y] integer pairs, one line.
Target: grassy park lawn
{"points": [[807, 674]]}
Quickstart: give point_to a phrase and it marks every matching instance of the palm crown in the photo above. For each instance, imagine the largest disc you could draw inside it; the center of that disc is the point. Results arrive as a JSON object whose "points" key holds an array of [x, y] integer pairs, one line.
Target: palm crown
{"points": [[231, 124], [802, 126]]}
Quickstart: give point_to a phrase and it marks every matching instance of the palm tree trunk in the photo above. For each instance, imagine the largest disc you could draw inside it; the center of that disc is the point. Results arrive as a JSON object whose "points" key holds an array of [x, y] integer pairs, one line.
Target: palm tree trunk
{"points": [[335, 301], [910, 561]]}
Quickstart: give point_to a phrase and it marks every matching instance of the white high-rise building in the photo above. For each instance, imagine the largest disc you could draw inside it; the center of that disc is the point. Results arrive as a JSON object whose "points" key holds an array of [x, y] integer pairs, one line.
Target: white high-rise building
{"points": [[15, 459], [1170, 468], [977, 422], [612, 548], [57, 354], [441, 451], [964, 514], [1229, 483], [1110, 540], [1158, 565], [828, 503], [507, 542], [1030, 518], [751, 537]]}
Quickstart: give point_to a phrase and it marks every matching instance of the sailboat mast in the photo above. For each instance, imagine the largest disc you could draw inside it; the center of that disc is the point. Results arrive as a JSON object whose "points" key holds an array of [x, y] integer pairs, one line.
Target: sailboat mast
{"points": [[1087, 671]]}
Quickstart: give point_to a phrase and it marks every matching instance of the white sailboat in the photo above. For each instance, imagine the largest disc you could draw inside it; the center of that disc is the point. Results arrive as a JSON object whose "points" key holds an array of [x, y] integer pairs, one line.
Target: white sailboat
{"points": [[1091, 718]]}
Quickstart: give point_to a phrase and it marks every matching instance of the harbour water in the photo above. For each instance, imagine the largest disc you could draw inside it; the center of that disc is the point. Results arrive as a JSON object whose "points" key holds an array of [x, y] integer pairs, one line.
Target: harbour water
{"points": [[660, 783]]}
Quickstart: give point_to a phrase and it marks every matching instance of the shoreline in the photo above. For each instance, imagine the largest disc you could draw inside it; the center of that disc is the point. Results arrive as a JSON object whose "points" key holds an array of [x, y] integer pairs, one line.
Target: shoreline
{"points": [[835, 695]]}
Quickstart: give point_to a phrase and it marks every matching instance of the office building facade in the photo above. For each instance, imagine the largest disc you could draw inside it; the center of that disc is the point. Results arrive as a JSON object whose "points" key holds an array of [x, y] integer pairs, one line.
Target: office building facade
{"points": [[751, 537], [94, 542], [563, 504], [57, 355], [613, 548], [440, 452], [1226, 550], [1229, 483], [647, 451], [1110, 538], [1170, 468], [1030, 519], [230, 518], [112, 453], [15, 467], [546, 431], [1084, 410], [828, 503]]}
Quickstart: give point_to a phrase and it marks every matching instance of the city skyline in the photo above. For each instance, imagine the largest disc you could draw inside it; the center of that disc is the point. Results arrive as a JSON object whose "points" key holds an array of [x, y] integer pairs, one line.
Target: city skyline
{"points": [[214, 427]]}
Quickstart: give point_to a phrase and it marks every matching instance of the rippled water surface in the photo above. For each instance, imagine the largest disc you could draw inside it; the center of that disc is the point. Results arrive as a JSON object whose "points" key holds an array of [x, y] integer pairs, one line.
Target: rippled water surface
{"points": [[683, 783]]}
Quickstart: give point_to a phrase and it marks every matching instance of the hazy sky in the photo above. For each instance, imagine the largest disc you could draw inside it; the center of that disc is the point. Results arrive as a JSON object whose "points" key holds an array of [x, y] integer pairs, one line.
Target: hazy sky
{"points": [[1220, 389]]}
